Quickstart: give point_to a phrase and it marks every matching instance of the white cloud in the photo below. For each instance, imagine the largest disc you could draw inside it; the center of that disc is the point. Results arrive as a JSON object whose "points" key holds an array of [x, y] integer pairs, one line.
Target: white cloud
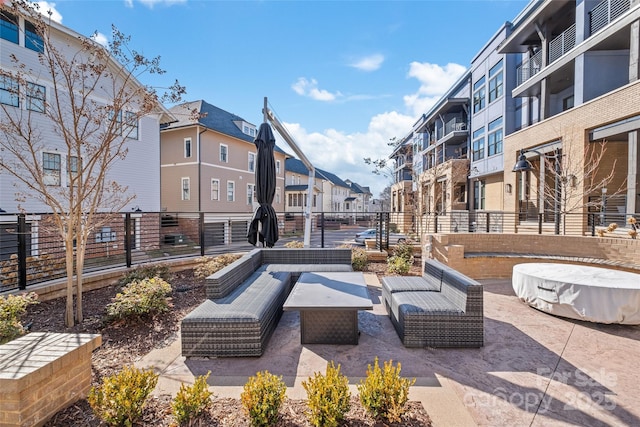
{"points": [[49, 10], [369, 63], [343, 154], [434, 80], [100, 38], [310, 89]]}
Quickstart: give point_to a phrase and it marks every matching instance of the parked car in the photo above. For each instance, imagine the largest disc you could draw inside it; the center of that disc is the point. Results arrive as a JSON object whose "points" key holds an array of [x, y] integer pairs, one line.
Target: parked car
{"points": [[394, 238]]}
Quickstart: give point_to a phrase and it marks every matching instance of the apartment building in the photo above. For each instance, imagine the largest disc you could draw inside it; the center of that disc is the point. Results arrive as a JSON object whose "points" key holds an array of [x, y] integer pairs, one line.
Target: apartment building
{"points": [[208, 160], [359, 199], [403, 193], [558, 85], [33, 95], [33, 104], [578, 87], [330, 193], [297, 187]]}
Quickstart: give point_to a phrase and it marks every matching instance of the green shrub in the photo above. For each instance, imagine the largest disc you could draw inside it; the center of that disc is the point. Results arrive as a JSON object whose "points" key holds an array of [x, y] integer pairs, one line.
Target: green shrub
{"points": [[359, 259], [207, 265], [327, 397], [191, 400], [398, 265], [294, 244], [139, 298], [262, 397], [11, 309], [404, 250], [384, 393], [145, 272], [120, 399]]}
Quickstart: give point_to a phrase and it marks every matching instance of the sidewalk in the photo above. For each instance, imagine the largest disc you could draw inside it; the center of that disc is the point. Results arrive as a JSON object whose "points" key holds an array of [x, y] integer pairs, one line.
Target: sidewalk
{"points": [[535, 369]]}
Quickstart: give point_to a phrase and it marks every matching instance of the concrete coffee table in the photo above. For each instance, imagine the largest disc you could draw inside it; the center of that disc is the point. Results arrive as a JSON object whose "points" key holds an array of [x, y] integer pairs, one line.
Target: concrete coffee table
{"points": [[328, 304]]}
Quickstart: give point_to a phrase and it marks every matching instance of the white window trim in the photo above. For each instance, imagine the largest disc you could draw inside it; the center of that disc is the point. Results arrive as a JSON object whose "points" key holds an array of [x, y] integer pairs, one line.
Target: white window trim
{"points": [[187, 142], [255, 157], [251, 188], [218, 181], [233, 194], [227, 151], [44, 176], [182, 195]]}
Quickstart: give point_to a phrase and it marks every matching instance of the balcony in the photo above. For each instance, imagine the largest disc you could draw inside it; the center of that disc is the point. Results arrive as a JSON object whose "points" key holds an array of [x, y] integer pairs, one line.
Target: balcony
{"points": [[529, 68], [562, 44], [605, 12]]}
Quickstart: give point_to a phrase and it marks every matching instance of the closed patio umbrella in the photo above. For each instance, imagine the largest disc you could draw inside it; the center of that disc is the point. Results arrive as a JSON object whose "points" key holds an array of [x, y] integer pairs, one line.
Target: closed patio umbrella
{"points": [[264, 225]]}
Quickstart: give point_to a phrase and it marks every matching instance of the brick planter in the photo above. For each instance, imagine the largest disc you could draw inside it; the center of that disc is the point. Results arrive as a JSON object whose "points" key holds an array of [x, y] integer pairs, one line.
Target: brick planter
{"points": [[42, 373]]}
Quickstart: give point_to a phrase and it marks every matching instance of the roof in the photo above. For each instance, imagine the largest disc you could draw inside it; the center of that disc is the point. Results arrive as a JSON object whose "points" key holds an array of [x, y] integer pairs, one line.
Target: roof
{"points": [[357, 188], [299, 187], [296, 166], [213, 118], [349, 199]]}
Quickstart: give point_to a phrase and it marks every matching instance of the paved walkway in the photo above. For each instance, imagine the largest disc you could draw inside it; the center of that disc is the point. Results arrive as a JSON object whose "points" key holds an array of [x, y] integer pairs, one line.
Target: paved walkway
{"points": [[534, 370]]}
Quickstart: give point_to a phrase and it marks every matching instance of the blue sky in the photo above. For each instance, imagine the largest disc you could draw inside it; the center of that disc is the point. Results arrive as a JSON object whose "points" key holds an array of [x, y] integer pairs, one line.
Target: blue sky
{"points": [[343, 76]]}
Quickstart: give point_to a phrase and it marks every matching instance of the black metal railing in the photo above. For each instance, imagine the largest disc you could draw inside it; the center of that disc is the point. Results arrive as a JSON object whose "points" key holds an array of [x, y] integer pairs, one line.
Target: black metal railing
{"points": [[32, 251]]}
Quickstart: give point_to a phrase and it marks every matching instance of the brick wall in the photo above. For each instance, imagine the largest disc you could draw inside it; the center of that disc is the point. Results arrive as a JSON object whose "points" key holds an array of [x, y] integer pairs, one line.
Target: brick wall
{"points": [[42, 373], [572, 128], [451, 249]]}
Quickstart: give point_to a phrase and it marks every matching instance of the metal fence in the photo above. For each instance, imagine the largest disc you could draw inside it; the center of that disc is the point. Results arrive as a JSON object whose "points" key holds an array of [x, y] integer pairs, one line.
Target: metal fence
{"points": [[32, 250]]}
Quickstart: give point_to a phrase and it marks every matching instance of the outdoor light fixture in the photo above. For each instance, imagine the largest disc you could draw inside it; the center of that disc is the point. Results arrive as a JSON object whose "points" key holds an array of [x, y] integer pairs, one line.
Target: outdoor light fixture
{"points": [[524, 165]]}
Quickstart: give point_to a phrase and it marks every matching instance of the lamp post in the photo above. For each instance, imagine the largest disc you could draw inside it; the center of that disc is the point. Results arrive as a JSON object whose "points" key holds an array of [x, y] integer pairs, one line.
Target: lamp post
{"points": [[523, 165]]}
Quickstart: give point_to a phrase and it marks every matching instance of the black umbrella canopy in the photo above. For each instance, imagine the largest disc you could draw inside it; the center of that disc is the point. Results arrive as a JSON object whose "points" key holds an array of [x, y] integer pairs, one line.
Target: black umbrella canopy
{"points": [[264, 225]]}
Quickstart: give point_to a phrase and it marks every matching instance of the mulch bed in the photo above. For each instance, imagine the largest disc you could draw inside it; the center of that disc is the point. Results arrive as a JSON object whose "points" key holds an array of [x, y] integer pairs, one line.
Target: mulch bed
{"points": [[124, 343]]}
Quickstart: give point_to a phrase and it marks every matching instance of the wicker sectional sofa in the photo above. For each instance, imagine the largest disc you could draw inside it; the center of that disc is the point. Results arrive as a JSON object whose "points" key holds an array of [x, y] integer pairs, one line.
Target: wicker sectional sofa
{"points": [[443, 308], [244, 300]]}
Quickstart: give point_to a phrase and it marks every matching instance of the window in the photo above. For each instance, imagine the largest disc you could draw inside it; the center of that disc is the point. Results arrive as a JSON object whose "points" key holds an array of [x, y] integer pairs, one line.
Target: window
{"points": [[478, 144], [277, 194], [51, 167], [8, 27], [315, 200], [248, 130], [251, 188], [494, 139], [9, 91], [567, 103], [32, 40], [187, 148], [130, 125], [72, 167], [278, 167], [495, 82], [478, 194], [252, 162], [224, 157], [35, 97], [215, 189], [478, 95], [231, 191], [186, 189]]}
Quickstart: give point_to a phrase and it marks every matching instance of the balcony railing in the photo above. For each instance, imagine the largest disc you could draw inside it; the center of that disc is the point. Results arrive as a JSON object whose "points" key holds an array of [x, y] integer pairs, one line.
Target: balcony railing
{"points": [[562, 44], [605, 12], [529, 68], [455, 124]]}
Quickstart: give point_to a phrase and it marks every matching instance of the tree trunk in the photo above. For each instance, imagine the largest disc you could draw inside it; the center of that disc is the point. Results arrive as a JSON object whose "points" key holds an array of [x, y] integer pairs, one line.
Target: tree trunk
{"points": [[79, 268], [68, 314]]}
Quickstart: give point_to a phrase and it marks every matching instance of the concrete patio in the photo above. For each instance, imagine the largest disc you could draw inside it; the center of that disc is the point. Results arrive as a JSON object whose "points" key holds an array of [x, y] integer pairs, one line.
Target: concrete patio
{"points": [[535, 369]]}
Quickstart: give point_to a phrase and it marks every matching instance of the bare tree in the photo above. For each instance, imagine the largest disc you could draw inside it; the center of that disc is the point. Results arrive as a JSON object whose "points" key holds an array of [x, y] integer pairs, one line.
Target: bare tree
{"points": [[580, 177], [93, 105]]}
